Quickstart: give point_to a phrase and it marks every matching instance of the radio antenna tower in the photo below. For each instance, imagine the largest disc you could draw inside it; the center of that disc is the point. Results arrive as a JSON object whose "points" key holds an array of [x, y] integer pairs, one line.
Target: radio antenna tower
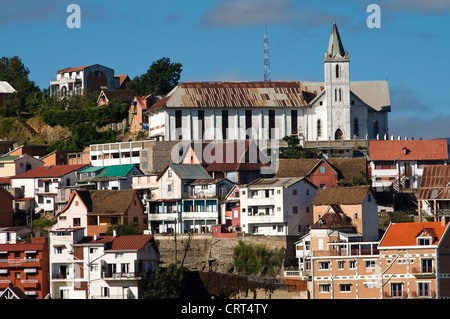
{"points": [[266, 57]]}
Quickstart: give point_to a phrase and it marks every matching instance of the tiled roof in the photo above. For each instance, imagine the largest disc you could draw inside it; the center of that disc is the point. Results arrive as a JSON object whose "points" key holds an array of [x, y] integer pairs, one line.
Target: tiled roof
{"points": [[50, 171], [435, 182], [405, 234], [390, 150], [69, 69], [238, 94], [341, 195]]}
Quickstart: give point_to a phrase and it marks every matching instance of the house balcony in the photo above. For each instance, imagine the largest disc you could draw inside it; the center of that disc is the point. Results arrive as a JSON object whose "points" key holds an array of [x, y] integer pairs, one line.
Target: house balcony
{"points": [[5, 283], [428, 272], [30, 262], [123, 275], [30, 283]]}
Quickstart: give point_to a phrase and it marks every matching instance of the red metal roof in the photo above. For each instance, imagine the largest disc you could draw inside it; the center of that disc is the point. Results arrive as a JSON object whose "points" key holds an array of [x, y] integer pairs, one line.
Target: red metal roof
{"points": [[131, 242], [435, 182], [389, 150], [405, 234], [50, 171]]}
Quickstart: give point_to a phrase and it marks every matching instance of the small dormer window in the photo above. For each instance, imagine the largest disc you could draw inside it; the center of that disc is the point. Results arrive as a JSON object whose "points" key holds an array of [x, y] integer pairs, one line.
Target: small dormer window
{"points": [[405, 151], [423, 241]]}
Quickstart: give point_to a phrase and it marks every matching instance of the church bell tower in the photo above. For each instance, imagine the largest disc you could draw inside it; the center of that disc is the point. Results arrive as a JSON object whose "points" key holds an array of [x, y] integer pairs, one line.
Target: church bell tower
{"points": [[337, 86]]}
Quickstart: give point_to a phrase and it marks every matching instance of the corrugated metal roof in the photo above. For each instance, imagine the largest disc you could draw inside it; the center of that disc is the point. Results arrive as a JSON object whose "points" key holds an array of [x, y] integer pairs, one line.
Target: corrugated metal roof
{"points": [[274, 182], [389, 150], [373, 93], [435, 182], [50, 171], [190, 171], [237, 94], [341, 195], [116, 170]]}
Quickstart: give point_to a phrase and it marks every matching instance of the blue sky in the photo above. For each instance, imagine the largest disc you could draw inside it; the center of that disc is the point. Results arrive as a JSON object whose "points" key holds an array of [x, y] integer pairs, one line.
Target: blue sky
{"points": [[219, 40]]}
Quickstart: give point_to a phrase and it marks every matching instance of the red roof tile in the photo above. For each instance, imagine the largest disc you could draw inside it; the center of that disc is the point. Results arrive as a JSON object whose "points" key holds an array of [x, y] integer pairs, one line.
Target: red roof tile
{"points": [[389, 150], [50, 171], [69, 69], [405, 234], [131, 242]]}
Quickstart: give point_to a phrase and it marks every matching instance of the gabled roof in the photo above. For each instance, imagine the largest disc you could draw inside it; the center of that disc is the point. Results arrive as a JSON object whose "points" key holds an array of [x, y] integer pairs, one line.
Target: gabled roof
{"points": [[237, 94], [390, 150], [435, 183], [345, 168], [70, 69], [405, 234], [333, 218], [277, 182], [126, 96], [50, 171], [187, 171], [111, 172], [120, 243], [341, 195], [5, 87], [105, 202]]}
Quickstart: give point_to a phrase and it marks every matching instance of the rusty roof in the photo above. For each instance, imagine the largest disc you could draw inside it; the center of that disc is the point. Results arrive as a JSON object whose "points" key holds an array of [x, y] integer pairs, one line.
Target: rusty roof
{"points": [[390, 150], [238, 94], [435, 183]]}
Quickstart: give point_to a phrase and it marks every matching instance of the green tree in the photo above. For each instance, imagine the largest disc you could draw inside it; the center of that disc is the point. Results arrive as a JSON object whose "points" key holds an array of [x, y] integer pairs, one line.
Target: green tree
{"points": [[161, 77], [294, 150], [123, 230], [15, 73], [167, 283], [257, 259]]}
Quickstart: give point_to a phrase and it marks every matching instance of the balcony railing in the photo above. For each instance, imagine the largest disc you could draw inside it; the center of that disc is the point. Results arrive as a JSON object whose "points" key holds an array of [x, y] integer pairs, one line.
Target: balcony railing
{"points": [[123, 275]]}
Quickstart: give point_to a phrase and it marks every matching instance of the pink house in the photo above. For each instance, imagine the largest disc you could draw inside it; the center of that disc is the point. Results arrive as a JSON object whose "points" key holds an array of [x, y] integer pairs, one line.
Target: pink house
{"points": [[96, 210]]}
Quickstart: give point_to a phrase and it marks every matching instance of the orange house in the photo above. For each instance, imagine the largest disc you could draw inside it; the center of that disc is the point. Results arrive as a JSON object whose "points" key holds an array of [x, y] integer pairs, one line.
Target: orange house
{"points": [[26, 266]]}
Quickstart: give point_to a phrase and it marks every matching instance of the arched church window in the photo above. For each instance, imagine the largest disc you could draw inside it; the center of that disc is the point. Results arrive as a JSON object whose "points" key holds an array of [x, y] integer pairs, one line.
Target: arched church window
{"points": [[335, 94], [319, 128], [356, 127], [375, 128], [337, 71], [340, 94]]}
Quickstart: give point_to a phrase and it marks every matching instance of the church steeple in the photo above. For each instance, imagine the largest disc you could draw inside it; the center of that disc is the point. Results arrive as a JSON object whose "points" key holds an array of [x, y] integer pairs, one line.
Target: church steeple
{"points": [[335, 46]]}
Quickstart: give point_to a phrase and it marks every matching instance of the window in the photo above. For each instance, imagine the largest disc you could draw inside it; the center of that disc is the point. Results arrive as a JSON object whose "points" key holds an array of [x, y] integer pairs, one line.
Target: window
{"points": [[248, 123], [169, 187], [345, 287], [337, 71], [423, 289], [178, 123], [324, 288], [356, 127], [319, 128], [77, 222], [322, 169], [423, 241], [294, 191], [169, 173], [271, 124], [324, 265], [294, 209], [224, 124], [201, 120], [355, 217], [294, 123], [370, 263], [341, 264], [105, 292], [307, 191], [40, 199], [352, 264], [426, 266], [396, 289]]}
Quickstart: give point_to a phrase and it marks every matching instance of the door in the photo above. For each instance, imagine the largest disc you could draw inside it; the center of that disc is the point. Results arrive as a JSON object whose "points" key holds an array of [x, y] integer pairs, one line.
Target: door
{"points": [[338, 134]]}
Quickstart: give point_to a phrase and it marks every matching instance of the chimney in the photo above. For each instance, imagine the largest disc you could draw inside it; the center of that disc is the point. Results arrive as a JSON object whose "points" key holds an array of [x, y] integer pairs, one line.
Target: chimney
{"points": [[115, 232], [444, 220], [95, 237]]}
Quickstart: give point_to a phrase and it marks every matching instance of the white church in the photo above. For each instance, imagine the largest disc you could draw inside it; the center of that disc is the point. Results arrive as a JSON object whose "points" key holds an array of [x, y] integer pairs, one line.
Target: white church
{"points": [[334, 109]]}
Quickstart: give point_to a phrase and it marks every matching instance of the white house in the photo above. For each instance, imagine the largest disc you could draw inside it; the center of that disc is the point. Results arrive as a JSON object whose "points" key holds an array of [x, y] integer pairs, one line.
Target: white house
{"points": [[100, 267], [399, 163], [79, 80], [176, 208], [277, 206], [42, 184], [334, 109]]}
